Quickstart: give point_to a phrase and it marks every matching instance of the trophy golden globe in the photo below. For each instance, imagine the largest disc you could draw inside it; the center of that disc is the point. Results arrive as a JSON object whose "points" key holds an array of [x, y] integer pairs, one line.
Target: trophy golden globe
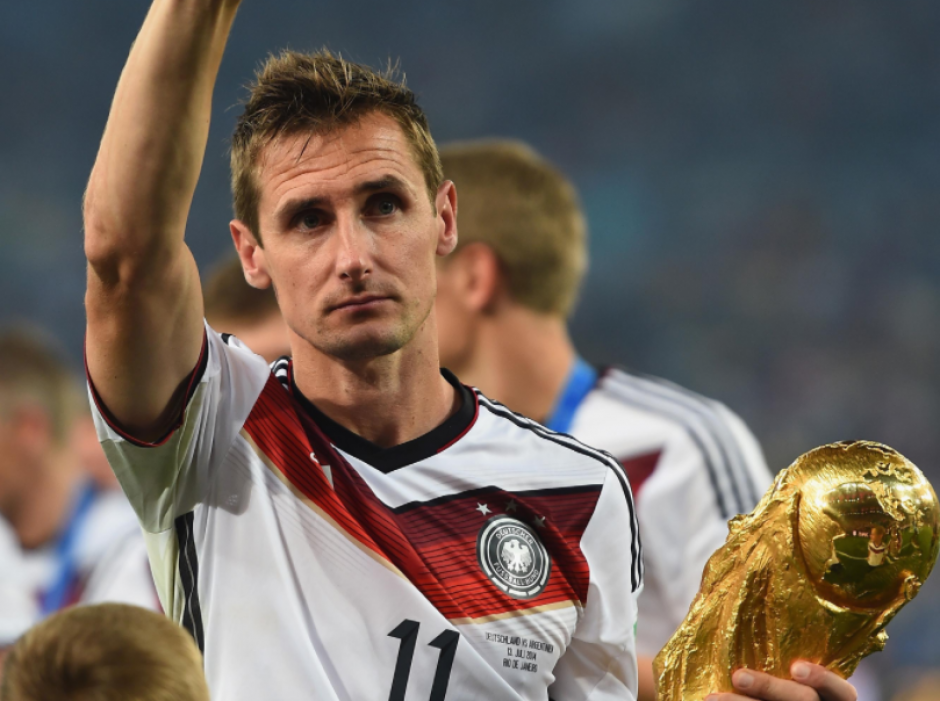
{"points": [[843, 539]]}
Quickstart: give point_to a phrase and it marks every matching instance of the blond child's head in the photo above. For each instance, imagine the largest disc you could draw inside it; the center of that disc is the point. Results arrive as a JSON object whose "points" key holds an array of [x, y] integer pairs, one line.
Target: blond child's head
{"points": [[107, 652]]}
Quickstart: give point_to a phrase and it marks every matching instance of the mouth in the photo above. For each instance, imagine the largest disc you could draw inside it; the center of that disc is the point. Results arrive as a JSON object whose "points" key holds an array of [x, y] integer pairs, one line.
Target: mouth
{"points": [[360, 303]]}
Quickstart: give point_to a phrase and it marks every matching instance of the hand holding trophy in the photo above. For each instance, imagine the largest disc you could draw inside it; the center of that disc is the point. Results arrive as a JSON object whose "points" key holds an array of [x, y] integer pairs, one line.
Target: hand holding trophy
{"points": [[844, 538]]}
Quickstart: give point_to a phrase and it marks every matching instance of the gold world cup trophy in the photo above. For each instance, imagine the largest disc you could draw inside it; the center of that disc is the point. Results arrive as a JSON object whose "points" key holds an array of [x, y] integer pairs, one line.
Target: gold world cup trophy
{"points": [[843, 539]]}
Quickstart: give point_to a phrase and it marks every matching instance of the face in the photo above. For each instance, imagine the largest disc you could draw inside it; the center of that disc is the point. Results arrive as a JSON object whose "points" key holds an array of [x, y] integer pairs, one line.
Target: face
{"points": [[25, 437], [350, 238]]}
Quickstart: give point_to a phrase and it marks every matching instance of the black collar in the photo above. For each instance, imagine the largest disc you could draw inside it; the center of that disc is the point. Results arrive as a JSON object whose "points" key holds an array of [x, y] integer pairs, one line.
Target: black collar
{"points": [[420, 448]]}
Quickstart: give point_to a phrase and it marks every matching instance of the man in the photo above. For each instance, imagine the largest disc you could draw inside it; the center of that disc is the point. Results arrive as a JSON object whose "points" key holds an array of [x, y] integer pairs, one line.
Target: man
{"points": [[108, 652], [59, 528], [355, 524], [233, 306], [504, 296]]}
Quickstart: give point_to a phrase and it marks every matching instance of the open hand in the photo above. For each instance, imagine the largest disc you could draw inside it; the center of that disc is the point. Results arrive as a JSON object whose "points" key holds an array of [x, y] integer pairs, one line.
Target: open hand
{"points": [[810, 682]]}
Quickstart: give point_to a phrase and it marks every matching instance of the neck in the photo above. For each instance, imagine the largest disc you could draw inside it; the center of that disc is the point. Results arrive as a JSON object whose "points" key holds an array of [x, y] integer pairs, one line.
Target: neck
{"points": [[43, 508], [388, 400], [520, 358]]}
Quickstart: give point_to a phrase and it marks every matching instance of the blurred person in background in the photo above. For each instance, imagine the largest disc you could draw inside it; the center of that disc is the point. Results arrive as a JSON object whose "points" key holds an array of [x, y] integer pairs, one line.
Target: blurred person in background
{"points": [[71, 539], [107, 652], [504, 297], [248, 313]]}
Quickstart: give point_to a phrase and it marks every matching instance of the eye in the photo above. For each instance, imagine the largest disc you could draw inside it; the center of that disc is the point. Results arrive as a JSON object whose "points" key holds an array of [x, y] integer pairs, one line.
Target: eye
{"points": [[310, 220], [383, 205]]}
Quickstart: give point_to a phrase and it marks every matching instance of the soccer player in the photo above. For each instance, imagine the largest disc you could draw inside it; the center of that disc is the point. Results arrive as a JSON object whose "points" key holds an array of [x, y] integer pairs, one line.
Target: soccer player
{"points": [[504, 296], [352, 523], [65, 530], [107, 652], [233, 306]]}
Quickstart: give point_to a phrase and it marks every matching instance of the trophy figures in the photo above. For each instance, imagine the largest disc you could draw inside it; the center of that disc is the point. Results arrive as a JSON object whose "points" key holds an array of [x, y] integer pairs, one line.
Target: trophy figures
{"points": [[844, 538]]}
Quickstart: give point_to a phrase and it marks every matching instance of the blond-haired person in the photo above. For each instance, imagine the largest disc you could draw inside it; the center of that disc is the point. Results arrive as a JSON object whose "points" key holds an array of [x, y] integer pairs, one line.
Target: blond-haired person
{"points": [[72, 540], [504, 298], [106, 652]]}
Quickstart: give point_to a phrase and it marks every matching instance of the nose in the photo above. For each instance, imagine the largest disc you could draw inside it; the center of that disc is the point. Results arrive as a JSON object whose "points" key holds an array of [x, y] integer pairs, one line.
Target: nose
{"points": [[354, 254]]}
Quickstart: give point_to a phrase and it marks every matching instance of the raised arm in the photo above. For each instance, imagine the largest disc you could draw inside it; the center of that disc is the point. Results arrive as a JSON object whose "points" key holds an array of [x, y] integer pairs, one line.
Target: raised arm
{"points": [[143, 301]]}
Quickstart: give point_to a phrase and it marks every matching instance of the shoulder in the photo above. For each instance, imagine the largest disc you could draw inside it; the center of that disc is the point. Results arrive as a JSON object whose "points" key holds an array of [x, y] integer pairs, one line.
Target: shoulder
{"points": [[649, 394], [629, 413], [226, 347], [661, 402], [242, 375], [560, 457], [545, 449]]}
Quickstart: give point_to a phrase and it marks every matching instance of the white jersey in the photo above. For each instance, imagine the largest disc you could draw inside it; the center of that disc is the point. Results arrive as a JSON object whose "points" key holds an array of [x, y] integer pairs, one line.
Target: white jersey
{"points": [[489, 559], [692, 464]]}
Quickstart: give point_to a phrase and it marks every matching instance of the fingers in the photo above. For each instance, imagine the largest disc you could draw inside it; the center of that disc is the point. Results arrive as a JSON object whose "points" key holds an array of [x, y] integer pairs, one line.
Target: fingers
{"points": [[812, 683], [831, 686], [750, 685]]}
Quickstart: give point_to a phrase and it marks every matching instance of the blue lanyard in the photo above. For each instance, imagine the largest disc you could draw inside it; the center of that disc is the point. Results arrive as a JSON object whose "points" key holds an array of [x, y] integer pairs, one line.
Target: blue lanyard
{"points": [[581, 379], [56, 596]]}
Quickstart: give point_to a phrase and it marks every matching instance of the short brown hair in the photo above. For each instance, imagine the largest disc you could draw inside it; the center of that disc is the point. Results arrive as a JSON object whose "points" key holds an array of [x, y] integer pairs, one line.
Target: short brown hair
{"points": [[316, 93], [107, 652], [32, 370], [522, 207], [229, 297]]}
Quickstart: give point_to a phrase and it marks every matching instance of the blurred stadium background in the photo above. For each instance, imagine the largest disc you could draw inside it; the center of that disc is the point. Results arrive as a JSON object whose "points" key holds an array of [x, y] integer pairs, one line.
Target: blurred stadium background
{"points": [[760, 179]]}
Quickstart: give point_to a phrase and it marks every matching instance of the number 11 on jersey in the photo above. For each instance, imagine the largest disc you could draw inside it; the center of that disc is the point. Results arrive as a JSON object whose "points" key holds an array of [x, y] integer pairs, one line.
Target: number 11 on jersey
{"points": [[446, 642]]}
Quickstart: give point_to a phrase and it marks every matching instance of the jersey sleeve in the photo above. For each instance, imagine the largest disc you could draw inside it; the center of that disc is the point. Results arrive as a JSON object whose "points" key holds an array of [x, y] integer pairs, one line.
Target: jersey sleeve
{"points": [[600, 663], [169, 477], [704, 479]]}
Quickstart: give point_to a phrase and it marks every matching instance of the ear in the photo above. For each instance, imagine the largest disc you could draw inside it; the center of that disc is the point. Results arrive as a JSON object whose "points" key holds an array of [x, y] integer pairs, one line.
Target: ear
{"points": [[482, 276], [446, 204], [251, 254]]}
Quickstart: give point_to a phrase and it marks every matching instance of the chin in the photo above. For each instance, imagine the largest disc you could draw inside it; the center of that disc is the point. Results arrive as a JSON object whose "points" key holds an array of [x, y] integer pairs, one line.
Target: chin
{"points": [[368, 338], [358, 346]]}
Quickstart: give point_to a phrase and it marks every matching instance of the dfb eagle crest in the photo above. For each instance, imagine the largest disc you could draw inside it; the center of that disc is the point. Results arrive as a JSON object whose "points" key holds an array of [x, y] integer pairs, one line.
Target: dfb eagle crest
{"points": [[513, 557]]}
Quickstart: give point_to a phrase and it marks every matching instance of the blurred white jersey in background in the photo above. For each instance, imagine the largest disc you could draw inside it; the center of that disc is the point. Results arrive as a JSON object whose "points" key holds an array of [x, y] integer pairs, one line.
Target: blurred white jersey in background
{"points": [[692, 464]]}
